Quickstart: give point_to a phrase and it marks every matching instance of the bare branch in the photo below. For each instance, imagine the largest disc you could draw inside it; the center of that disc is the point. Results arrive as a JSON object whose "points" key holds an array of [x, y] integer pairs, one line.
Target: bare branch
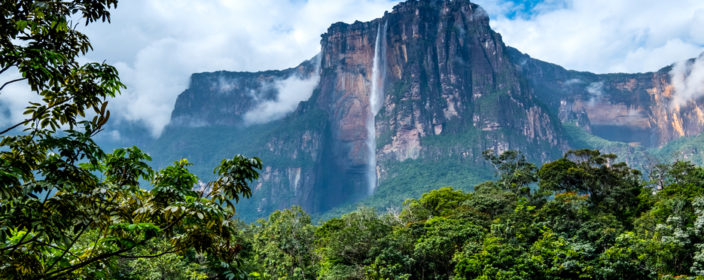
{"points": [[9, 82], [15, 126], [5, 69]]}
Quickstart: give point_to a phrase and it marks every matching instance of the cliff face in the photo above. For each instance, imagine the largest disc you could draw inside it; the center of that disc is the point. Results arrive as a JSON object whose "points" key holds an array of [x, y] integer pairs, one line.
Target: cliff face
{"points": [[445, 72], [345, 85], [633, 108], [448, 74], [408, 102]]}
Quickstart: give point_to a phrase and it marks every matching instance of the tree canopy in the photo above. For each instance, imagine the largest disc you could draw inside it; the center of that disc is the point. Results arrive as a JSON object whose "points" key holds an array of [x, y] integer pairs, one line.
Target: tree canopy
{"points": [[69, 210], [582, 216]]}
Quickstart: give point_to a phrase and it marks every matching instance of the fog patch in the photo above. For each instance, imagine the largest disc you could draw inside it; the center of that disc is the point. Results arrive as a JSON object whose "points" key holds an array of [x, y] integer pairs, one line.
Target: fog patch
{"points": [[224, 86], [595, 90], [572, 82], [291, 91], [687, 78]]}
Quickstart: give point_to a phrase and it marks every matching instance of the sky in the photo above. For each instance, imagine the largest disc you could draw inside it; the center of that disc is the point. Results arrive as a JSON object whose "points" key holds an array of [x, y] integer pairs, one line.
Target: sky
{"points": [[157, 44]]}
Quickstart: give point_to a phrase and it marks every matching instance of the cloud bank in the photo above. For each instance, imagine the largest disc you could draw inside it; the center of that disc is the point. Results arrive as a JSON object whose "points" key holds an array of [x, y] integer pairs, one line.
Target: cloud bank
{"points": [[157, 44]]}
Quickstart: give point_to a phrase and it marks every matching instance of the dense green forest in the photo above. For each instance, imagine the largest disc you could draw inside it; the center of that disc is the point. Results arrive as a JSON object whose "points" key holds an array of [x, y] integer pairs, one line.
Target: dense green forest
{"points": [[582, 216], [68, 210]]}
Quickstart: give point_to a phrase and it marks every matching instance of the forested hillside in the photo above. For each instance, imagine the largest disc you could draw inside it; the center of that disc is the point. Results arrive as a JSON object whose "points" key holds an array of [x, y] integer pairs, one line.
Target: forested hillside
{"points": [[583, 216]]}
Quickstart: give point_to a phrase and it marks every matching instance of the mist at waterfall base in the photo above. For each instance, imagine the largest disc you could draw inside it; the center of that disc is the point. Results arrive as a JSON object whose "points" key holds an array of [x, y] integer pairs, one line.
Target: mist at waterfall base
{"points": [[376, 99]]}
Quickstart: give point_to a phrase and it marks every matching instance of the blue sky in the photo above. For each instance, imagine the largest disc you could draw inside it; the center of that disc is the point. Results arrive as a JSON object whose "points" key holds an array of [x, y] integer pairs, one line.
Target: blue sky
{"points": [[157, 44], [521, 8]]}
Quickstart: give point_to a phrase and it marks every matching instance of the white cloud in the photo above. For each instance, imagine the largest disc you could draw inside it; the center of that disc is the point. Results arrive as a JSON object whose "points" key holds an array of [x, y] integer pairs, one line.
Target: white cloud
{"points": [[15, 97], [291, 91], [688, 81], [596, 90], [608, 36]]}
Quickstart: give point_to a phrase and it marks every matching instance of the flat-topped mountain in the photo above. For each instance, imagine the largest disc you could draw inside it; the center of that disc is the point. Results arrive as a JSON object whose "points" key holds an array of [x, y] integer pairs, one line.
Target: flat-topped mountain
{"points": [[408, 102]]}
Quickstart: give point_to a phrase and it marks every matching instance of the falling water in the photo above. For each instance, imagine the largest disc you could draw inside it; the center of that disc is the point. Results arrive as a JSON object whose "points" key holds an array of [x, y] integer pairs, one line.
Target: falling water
{"points": [[375, 101]]}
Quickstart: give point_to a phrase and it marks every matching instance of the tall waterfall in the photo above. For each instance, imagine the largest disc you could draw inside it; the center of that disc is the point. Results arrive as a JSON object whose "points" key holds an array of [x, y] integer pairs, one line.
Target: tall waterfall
{"points": [[376, 100]]}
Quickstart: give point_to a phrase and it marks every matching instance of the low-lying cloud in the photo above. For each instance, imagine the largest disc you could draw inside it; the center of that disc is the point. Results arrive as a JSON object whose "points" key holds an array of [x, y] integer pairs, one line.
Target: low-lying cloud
{"points": [[595, 90], [687, 78], [291, 92]]}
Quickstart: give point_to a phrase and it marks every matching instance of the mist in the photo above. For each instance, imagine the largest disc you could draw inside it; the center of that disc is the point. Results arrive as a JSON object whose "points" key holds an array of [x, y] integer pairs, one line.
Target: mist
{"points": [[688, 81], [291, 91]]}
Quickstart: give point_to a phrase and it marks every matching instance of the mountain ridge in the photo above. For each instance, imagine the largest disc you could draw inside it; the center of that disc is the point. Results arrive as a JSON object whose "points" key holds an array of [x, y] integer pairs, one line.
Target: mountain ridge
{"points": [[451, 89]]}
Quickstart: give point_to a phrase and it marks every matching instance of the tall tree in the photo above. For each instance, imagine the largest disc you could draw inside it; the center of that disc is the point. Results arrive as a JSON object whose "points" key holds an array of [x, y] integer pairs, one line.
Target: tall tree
{"points": [[611, 187], [284, 245], [66, 208]]}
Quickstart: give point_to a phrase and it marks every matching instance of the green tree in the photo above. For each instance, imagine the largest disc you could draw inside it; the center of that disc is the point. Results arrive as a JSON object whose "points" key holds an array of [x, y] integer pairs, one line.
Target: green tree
{"points": [[443, 237], [441, 202], [515, 172], [40, 41], [560, 258], [393, 255], [611, 187], [626, 259], [284, 245], [345, 244], [67, 209], [495, 259]]}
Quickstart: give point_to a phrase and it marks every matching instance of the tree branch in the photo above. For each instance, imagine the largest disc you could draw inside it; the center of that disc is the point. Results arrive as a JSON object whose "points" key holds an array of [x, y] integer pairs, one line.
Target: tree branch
{"points": [[13, 247], [5, 69], [34, 118], [56, 247], [15, 126], [9, 82], [69, 246], [65, 270]]}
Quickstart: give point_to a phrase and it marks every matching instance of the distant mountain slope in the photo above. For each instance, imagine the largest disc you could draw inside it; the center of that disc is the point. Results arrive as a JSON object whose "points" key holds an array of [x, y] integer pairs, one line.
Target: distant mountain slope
{"points": [[635, 108]]}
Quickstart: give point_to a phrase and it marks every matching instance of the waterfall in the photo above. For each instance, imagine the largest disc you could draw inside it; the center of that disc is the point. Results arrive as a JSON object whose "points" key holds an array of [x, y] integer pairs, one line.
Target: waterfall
{"points": [[376, 100]]}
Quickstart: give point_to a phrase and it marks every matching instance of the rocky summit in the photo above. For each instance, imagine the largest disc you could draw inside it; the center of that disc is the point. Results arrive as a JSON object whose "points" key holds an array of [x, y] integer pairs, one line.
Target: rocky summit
{"points": [[408, 102]]}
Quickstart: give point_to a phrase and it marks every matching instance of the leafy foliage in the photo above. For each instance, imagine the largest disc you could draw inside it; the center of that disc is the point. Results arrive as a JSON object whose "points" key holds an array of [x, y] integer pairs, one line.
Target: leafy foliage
{"points": [[67, 209], [583, 216]]}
